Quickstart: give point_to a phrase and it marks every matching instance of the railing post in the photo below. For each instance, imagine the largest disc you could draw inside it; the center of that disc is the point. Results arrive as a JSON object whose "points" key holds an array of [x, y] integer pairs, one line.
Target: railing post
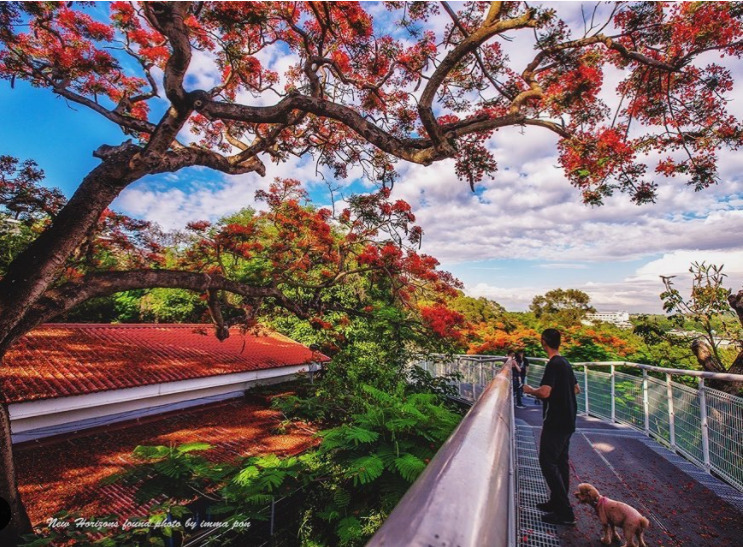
{"points": [[671, 414], [646, 401], [613, 396], [482, 382], [705, 424], [585, 383]]}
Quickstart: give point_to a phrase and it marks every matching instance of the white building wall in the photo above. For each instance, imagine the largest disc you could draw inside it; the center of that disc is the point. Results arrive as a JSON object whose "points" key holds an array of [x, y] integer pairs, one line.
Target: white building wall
{"points": [[37, 419]]}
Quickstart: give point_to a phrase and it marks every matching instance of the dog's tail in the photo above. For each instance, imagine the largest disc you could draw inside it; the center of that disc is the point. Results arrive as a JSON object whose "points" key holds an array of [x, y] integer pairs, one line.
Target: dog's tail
{"points": [[644, 523]]}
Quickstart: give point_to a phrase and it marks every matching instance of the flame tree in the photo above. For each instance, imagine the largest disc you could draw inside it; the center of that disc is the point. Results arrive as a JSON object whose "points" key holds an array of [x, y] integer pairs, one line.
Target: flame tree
{"points": [[357, 95]]}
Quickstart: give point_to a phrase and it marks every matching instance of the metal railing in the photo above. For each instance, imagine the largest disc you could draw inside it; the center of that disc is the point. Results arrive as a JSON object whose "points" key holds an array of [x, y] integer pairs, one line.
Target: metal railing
{"points": [[464, 496], [702, 424], [475, 371]]}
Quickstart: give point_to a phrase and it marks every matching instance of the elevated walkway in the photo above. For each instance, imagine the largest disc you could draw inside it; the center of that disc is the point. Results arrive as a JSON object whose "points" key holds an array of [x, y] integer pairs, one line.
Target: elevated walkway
{"points": [[661, 446], [685, 504]]}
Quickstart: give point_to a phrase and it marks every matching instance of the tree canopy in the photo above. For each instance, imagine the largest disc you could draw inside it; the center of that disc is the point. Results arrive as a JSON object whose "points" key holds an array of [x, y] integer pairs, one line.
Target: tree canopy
{"points": [[715, 313], [366, 86], [371, 85], [562, 306]]}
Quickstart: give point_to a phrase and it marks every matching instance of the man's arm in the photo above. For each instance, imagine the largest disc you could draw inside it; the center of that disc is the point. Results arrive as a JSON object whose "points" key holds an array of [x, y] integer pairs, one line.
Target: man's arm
{"points": [[577, 388], [542, 392]]}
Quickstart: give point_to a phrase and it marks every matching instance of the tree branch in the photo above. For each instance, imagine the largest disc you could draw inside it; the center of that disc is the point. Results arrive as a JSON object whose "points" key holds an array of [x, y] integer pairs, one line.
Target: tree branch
{"points": [[168, 18], [414, 150], [28, 277], [491, 26], [73, 293], [127, 122]]}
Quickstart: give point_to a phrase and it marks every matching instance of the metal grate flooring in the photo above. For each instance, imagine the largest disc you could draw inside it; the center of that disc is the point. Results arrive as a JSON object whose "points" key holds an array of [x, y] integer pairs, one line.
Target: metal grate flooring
{"points": [[531, 487], [532, 531], [718, 486]]}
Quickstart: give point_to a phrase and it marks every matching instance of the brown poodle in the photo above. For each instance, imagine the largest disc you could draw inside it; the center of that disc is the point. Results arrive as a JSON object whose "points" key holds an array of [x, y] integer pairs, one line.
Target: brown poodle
{"points": [[614, 514]]}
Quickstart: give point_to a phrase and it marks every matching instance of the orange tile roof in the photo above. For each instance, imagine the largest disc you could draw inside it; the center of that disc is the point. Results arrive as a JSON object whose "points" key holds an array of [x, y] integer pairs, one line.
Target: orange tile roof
{"points": [[60, 360], [64, 472]]}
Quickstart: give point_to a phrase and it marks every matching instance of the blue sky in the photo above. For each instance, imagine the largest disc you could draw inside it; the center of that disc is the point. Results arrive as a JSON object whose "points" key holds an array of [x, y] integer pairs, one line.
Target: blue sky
{"points": [[523, 233]]}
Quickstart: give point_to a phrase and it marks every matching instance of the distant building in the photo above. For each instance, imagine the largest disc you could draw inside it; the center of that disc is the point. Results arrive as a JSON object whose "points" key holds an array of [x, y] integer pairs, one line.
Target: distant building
{"points": [[694, 335], [618, 318]]}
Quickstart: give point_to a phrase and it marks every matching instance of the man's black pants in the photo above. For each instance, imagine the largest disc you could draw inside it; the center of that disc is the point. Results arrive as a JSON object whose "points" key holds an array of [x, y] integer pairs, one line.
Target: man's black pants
{"points": [[553, 459]]}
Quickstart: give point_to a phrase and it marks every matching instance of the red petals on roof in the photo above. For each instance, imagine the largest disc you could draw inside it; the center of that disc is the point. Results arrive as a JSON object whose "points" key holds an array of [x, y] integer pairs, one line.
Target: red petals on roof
{"points": [[61, 360]]}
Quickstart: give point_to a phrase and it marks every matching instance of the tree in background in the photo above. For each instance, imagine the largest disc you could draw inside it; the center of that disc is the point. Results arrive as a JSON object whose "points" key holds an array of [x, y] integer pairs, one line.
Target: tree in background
{"points": [[355, 96], [710, 309], [354, 284], [563, 307], [26, 207]]}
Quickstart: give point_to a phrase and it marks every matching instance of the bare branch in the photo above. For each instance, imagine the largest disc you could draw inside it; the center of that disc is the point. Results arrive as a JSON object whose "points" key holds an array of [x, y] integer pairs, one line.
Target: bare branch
{"points": [[491, 26]]}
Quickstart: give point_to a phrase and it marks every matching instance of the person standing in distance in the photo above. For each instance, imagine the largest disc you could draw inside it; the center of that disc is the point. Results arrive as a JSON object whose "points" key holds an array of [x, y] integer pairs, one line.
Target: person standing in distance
{"points": [[516, 377], [557, 390], [524, 364]]}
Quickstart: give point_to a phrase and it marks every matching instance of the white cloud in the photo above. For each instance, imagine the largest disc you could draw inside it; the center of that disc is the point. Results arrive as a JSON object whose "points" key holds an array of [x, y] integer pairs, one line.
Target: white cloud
{"points": [[511, 299], [563, 266], [677, 263], [528, 210], [173, 208], [190, 198]]}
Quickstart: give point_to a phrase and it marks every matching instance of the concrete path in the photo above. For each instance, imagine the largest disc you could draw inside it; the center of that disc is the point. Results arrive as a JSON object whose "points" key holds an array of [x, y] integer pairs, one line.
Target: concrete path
{"points": [[685, 505]]}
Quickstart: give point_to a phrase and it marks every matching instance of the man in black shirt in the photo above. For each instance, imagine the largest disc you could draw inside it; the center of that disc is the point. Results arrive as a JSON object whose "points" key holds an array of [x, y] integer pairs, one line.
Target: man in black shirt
{"points": [[557, 389]]}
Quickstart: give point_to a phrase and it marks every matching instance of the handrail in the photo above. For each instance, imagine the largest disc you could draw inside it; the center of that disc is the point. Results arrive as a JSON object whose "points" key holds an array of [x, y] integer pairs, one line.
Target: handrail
{"points": [[701, 424], [463, 497], [723, 376]]}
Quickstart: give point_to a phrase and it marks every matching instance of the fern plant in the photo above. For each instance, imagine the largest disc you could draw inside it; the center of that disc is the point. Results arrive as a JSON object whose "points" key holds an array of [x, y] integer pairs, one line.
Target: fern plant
{"points": [[369, 463], [344, 489]]}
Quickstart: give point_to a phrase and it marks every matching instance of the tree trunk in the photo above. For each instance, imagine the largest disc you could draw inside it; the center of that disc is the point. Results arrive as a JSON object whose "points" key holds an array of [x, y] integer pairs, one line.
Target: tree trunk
{"points": [[32, 271], [737, 368], [707, 361], [29, 276], [20, 523]]}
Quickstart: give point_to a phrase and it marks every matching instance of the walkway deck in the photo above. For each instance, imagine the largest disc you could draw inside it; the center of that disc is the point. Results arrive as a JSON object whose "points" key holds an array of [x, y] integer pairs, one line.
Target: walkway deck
{"points": [[685, 505]]}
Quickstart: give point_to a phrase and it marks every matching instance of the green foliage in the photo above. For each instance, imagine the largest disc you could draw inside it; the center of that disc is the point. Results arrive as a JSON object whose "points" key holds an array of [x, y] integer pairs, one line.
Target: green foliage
{"points": [[422, 381], [586, 349], [652, 330], [707, 310], [560, 307], [344, 488], [172, 472], [370, 461], [478, 310]]}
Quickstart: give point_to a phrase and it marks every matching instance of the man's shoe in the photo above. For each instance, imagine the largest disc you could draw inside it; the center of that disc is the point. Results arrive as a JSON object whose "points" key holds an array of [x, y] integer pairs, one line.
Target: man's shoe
{"points": [[554, 518], [544, 507]]}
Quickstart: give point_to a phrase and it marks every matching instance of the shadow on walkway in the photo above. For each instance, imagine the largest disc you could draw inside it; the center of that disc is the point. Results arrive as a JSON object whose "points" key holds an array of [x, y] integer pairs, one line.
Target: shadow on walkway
{"points": [[685, 505]]}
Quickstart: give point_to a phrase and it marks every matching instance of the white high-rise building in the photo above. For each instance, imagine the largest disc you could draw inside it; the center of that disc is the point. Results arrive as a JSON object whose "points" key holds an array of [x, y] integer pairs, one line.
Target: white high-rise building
{"points": [[618, 318]]}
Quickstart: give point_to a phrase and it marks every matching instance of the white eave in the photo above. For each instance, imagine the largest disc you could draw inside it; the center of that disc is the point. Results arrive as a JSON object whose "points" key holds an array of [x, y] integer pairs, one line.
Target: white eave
{"points": [[37, 419]]}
